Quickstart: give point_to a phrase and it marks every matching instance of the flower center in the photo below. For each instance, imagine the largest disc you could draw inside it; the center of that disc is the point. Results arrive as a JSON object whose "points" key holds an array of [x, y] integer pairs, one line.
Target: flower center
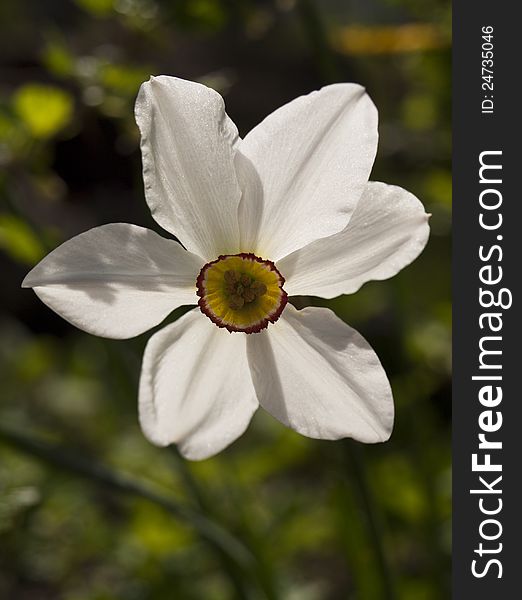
{"points": [[241, 292]]}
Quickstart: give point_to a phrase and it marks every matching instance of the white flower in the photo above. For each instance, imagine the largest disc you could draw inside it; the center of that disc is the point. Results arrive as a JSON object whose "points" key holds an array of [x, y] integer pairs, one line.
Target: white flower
{"points": [[288, 210]]}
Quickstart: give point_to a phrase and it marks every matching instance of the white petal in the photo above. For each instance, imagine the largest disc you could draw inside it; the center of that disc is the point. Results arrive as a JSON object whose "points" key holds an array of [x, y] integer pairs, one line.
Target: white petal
{"points": [[187, 148], [303, 169], [116, 280], [320, 377], [195, 388], [388, 230]]}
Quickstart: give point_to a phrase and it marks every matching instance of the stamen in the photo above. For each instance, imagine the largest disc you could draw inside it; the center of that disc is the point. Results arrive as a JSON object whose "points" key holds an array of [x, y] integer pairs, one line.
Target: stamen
{"points": [[236, 302], [230, 277], [259, 288], [241, 289]]}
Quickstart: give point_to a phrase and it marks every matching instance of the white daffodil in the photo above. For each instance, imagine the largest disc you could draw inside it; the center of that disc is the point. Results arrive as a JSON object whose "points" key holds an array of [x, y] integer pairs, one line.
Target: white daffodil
{"points": [[288, 210]]}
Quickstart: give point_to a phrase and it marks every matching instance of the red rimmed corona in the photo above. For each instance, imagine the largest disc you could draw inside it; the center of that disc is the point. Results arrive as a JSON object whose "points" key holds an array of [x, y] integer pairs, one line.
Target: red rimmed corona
{"points": [[241, 292]]}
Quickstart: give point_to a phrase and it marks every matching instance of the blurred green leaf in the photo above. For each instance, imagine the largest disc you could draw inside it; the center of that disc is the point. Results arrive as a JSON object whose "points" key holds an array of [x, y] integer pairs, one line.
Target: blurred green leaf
{"points": [[19, 240], [35, 360], [438, 186], [203, 15], [396, 483], [58, 59], [98, 8], [431, 341], [420, 111], [8, 127], [209, 12], [156, 531], [44, 109], [123, 79], [16, 501], [13, 137]]}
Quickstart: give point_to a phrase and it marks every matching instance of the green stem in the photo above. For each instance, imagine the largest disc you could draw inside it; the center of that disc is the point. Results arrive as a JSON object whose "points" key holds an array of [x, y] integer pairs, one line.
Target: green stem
{"points": [[235, 574], [262, 574], [207, 529], [375, 531]]}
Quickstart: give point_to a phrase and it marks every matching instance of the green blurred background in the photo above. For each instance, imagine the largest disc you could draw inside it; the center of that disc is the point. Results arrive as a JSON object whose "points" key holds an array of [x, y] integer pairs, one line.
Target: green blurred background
{"points": [[88, 508]]}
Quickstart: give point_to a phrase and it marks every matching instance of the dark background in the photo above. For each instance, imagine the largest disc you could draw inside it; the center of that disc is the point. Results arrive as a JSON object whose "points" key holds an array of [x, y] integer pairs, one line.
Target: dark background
{"points": [[323, 520]]}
